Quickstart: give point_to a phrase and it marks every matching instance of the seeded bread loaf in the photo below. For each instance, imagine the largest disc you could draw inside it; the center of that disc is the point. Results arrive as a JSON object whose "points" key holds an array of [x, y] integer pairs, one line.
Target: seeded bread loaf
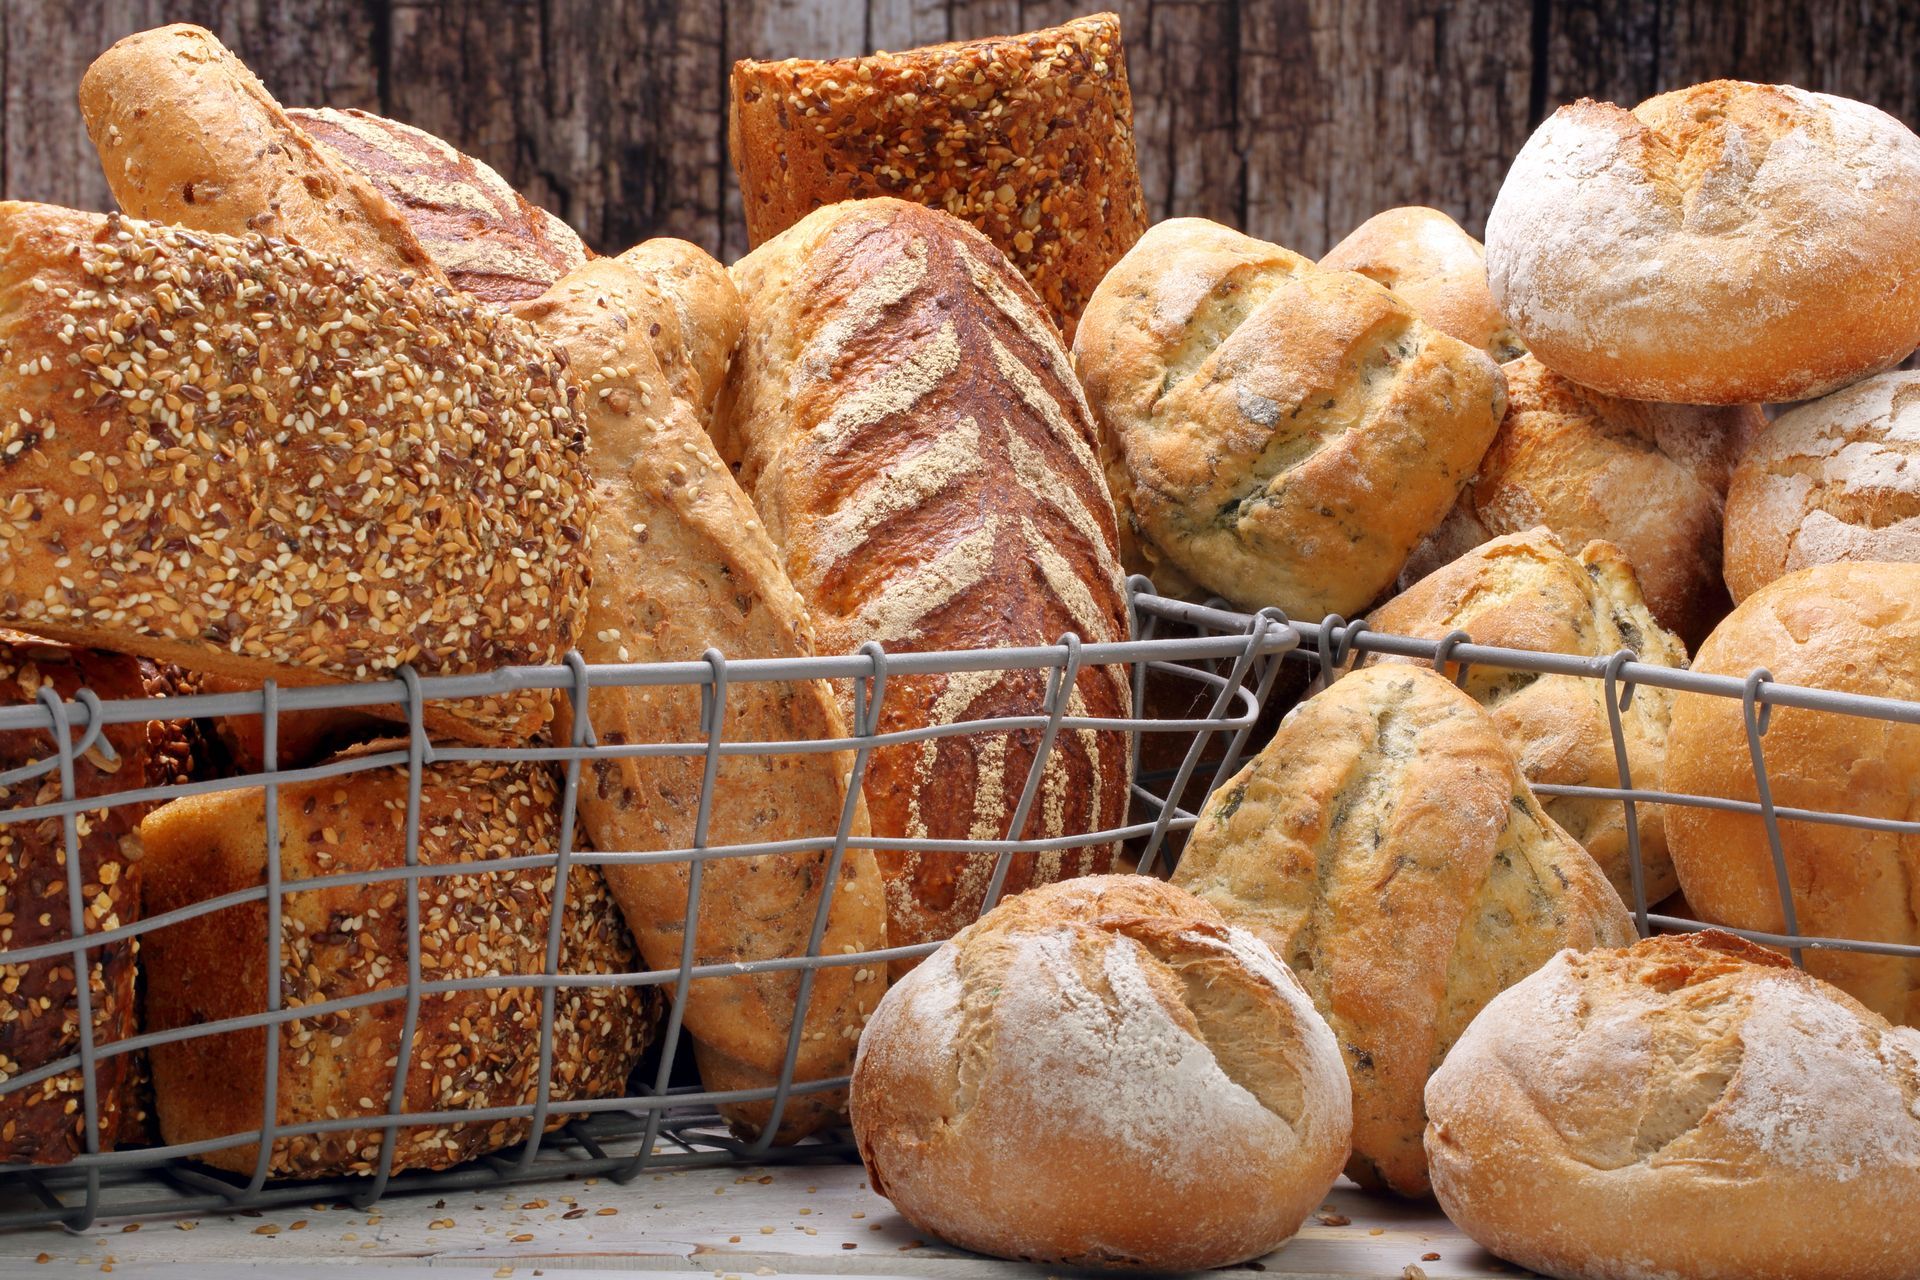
{"points": [[1027, 137], [914, 438], [242, 457], [1288, 434], [1526, 591], [1436, 268], [1386, 846]]}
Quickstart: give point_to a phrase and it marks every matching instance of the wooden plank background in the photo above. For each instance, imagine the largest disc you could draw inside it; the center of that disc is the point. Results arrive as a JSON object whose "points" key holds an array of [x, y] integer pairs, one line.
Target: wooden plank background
{"points": [[1294, 119]]}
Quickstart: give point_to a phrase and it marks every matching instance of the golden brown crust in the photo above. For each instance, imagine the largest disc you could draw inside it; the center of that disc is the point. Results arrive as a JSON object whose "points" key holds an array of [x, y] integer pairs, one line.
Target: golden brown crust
{"points": [[300, 737], [1437, 268], [1386, 846], [910, 430], [693, 317], [1028, 137]]}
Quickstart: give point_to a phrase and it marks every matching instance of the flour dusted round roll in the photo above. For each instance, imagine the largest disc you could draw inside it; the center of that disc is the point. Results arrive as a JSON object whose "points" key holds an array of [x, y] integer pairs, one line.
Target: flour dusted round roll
{"points": [[1439, 270], [1102, 1073]]}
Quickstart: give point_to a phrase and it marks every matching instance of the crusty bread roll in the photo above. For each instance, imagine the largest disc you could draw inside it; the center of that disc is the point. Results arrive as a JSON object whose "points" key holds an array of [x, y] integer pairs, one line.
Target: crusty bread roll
{"points": [[1386, 846], [1854, 628], [1838, 479], [1027, 137], [1689, 1106], [1288, 434], [914, 438], [1729, 243], [1527, 591], [251, 460], [1437, 269], [1102, 1073]]}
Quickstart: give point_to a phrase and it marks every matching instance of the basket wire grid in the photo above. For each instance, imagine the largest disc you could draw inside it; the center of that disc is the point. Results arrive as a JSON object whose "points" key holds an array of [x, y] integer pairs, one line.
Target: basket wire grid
{"points": [[1232, 659]]}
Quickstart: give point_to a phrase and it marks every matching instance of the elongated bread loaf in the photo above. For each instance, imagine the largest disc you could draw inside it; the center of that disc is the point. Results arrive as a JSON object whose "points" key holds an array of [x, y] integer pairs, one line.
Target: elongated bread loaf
{"points": [[681, 565], [913, 436], [693, 317]]}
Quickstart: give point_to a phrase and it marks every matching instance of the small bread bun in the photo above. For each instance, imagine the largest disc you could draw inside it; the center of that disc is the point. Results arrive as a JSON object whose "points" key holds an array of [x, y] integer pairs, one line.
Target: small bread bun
{"points": [[1102, 1072], [1838, 479], [1686, 1107], [1437, 268], [1730, 243]]}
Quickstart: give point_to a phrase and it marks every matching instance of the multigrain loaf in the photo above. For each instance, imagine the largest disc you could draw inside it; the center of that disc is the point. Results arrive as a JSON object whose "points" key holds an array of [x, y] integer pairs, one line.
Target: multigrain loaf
{"points": [[472, 1048], [237, 455], [1436, 268], [1386, 846], [1102, 1073], [1689, 1106], [681, 565], [1848, 627], [1728, 243], [1027, 137], [1282, 435], [1838, 479], [914, 438], [1527, 591]]}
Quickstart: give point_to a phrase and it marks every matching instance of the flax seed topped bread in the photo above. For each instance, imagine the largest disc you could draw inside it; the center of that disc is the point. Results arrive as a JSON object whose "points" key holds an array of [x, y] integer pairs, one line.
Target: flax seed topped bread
{"points": [[1437, 268]]}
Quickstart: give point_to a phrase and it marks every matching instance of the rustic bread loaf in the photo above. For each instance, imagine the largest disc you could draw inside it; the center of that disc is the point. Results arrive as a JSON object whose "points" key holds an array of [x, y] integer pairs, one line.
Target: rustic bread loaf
{"points": [[1027, 137], [693, 318], [1854, 628], [1689, 1106], [1436, 268], [910, 430], [253, 461], [1386, 846], [1102, 1073], [1289, 434], [188, 135], [1838, 479], [1525, 591], [1728, 243], [472, 1048], [681, 565]]}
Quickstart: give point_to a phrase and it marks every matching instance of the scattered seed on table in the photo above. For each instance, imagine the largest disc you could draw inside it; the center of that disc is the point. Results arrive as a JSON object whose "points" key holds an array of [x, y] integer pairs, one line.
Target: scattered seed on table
{"points": [[522, 1238], [266, 1229], [571, 1214], [299, 1225], [605, 1213], [131, 1226], [1429, 1257], [534, 1204]]}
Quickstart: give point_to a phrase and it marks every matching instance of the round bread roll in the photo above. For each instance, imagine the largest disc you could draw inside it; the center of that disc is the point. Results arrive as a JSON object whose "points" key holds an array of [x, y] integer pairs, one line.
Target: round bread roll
{"points": [[1730, 243], [1101, 1072], [1283, 435], [1838, 479], [1686, 1107], [1854, 628], [1386, 846], [1437, 268]]}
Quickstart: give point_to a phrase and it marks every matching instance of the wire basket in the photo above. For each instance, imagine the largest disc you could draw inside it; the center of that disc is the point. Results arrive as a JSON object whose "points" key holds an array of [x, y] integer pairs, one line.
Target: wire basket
{"points": [[1230, 661]]}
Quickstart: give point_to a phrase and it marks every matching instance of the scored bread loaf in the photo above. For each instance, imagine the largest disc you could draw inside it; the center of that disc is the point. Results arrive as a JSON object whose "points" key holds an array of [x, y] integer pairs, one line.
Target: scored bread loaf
{"points": [[914, 438], [236, 455], [1436, 268], [681, 565]]}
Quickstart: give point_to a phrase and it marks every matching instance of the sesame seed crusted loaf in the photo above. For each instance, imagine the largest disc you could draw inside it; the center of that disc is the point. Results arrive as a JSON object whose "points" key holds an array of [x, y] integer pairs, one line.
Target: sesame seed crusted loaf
{"points": [[1436, 268], [1689, 1106], [914, 438], [1386, 846], [1527, 591], [471, 1049], [1027, 137], [248, 459]]}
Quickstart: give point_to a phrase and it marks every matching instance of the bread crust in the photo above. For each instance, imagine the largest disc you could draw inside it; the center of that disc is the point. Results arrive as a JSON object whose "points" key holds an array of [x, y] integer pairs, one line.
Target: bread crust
{"points": [[693, 316], [1437, 268]]}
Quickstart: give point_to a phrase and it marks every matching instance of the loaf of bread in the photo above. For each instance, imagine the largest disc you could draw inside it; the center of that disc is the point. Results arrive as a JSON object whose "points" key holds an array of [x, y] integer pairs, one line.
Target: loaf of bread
{"points": [[1287, 434], [1728, 243], [472, 1048], [1689, 1106], [1386, 846], [1526, 591], [1103, 1073], [188, 135], [1838, 479], [250, 460], [1853, 628], [914, 438], [681, 565], [1436, 268], [693, 318], [301, 738]]}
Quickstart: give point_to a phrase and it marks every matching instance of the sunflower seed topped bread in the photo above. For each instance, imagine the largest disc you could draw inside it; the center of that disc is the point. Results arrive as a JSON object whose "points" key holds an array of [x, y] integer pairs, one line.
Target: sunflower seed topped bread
{"points": [[1527, 591], [1386, 846], [914, 438], [1103, 1073], [240, 456], [1728, 243], [1436, 268], [1689, 1106], [1027, 137], [1288, 434]]}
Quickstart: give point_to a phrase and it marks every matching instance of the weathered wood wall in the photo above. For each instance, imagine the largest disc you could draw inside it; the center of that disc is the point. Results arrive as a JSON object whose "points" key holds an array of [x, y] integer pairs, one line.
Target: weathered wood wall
{"points": [[1292, 118]]}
